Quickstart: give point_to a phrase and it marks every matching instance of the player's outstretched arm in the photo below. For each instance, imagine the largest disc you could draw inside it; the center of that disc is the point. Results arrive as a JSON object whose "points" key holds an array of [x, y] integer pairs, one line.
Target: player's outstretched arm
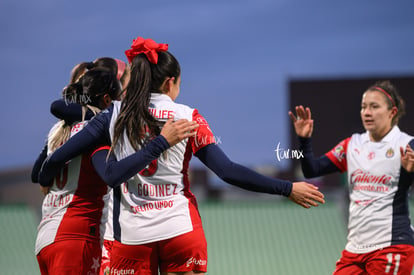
{"points": [[306, 194], [302, 193]]}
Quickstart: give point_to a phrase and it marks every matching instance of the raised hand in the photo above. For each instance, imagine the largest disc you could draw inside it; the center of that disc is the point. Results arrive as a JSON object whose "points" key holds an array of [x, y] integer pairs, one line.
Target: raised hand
{"points": [[176, 131], [306, 194], [407, 158], [302, 121]]}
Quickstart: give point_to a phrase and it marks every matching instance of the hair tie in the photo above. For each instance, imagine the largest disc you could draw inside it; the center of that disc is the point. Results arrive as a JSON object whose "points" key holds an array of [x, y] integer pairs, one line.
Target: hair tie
{"points": [[385, 93], [147, 46], [121, 68]]}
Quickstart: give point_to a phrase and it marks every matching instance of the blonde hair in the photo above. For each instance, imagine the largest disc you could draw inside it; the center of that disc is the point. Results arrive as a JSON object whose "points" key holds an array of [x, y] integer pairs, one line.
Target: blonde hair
{"points": [[60, 133]]}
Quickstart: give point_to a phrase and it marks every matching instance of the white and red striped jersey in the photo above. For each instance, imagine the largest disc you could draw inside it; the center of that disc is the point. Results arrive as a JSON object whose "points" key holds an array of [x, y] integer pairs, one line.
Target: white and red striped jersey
{"points": [[75, 207], [157, 203], [378, 188]]}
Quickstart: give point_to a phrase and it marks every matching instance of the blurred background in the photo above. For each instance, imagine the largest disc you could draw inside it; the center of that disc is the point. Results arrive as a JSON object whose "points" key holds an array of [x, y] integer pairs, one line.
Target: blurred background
{"points": [[245, 64]]}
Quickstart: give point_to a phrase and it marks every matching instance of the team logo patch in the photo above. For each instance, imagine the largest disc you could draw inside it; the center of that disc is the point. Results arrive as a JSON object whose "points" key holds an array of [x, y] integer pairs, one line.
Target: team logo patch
{"points": [[339, 153], [389, 153]]}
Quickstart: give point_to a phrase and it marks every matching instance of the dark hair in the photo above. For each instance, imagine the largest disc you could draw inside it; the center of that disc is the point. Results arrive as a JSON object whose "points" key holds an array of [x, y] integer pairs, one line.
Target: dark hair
{"points": [[146, 78], [91, 86], [392, 96], [107, 62], [102, 62]]}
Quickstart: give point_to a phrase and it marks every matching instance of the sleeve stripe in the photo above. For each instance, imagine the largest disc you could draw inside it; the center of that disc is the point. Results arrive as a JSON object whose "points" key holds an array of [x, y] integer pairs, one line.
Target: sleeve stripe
{"points": [[100, 149]]}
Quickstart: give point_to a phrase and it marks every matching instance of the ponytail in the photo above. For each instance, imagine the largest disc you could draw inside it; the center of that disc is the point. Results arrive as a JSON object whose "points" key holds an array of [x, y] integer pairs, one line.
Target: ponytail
{"points": [[146, 78], [134, 116], [59, 135]]}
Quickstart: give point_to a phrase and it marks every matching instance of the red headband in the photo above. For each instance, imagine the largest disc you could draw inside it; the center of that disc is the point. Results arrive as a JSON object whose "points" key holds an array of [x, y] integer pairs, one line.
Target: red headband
{"points": [[147, 46], [385, 93], [121, 68]]}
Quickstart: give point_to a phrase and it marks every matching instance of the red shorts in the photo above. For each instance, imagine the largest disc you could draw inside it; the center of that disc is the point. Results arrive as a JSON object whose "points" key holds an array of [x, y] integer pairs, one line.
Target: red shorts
{"points": [[391, 260], [184, 253], [106, 257], [70, 257]]}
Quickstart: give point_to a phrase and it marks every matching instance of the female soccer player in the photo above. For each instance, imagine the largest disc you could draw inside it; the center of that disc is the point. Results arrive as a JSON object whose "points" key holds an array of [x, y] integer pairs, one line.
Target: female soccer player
{"points": [[157, 224], [380, 166], [73, 215], [73, 212], [72, 111]]}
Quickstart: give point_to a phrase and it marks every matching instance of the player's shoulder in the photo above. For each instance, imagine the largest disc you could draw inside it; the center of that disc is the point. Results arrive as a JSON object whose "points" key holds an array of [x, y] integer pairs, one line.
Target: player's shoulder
{"points": [[183, 107], [359, 137], [397, 136], [183, 111], [405, 138]]}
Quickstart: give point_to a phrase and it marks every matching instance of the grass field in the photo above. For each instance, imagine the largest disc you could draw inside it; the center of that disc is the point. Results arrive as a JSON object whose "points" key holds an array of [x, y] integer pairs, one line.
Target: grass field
{"points": [[243, 238], [272, 238]]}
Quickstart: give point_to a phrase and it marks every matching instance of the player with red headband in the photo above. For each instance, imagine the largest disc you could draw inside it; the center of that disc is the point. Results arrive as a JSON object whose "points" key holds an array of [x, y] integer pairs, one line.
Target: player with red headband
{"points": [[157, 225], [380, 167]]}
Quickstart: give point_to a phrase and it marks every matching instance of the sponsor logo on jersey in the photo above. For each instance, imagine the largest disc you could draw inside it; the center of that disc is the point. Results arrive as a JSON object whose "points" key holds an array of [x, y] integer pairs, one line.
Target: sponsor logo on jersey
{"points": [[116, 271], [360, 176], [161, 114], [194, 261]]}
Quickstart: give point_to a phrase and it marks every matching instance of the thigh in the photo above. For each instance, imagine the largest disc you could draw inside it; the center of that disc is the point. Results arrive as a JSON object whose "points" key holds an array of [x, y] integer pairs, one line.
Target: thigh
{"points": [[70, 257], [350, 263], [184, 253], [394, 260], [41, 260], [134, 259]]}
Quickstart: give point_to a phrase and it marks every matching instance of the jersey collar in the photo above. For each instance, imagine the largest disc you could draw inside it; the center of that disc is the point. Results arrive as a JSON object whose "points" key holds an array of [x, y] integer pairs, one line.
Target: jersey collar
{"points": [[160, 97], [388, 137]]}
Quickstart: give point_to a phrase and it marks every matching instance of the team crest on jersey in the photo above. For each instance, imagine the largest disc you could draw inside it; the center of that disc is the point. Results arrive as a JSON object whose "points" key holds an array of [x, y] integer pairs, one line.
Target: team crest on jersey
{"points": [[389, 153]]}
